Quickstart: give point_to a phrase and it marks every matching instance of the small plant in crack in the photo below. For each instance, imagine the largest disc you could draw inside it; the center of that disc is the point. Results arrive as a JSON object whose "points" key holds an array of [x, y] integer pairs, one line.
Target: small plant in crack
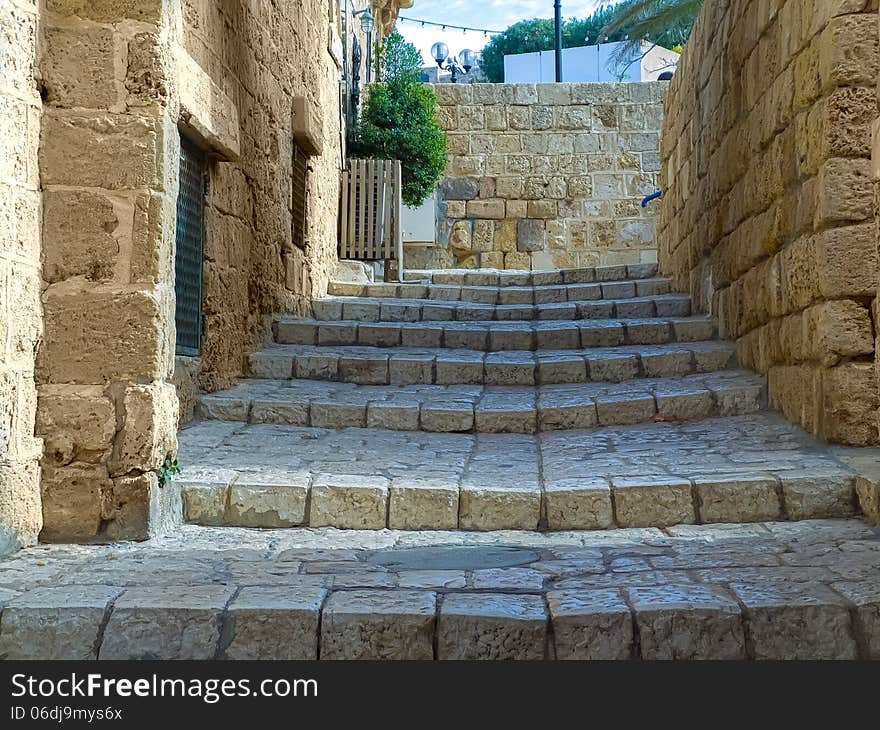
{"points": [[169, 468]]}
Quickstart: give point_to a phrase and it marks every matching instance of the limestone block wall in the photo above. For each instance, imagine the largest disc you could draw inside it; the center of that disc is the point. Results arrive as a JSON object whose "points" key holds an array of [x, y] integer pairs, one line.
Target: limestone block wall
{"points": [[261, 56], [20, 323], [768, 215], [108, 164], [549, 175]]}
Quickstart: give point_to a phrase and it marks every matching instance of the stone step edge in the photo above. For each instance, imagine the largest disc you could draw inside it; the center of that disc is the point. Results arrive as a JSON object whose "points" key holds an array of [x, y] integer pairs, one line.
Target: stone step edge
{"points": [[233, 499], [378, 366], [367, 309], [505, 295], [448, 415], [497, 336], [327, 616], [584, 275]]}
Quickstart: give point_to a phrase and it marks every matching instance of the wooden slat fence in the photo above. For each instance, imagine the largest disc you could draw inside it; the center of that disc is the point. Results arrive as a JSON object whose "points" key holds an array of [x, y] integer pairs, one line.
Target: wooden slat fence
{"points": [[369, 211]]}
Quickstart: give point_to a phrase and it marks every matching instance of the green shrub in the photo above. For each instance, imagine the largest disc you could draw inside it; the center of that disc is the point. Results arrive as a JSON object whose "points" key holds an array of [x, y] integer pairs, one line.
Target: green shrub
{"points": [[399, 122]]}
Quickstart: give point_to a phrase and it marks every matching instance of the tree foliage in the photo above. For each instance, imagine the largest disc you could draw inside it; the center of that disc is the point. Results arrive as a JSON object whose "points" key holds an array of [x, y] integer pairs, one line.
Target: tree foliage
{"points": [[399, 122], [611, 23], [665, 22]]}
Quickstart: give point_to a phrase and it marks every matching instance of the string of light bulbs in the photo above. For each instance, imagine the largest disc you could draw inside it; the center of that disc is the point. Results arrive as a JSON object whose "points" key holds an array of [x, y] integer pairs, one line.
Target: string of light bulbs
{"points": [[444, 26]]}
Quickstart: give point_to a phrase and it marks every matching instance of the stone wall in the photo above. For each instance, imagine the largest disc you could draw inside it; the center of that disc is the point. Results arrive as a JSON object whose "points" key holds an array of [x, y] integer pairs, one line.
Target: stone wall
{"points": [[108, 165], [768, 212], [548, 175], [20, 325], [260, 56]]}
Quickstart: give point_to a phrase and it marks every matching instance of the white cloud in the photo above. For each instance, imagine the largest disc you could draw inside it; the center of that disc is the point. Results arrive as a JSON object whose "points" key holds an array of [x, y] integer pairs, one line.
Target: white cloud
{"points": [[494, 14]]}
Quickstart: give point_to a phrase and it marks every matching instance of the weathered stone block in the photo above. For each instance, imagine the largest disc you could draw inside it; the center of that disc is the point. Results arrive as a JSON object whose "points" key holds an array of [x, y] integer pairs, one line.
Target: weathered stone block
{"points": [[652, 501], [84, 150], [687, 622], [422, 504], [275, 622], [165, 622], [808, 495], [378, 625], [78, 66], [530, 235], [347, 501], [743, 498], [271, 501], [491, 626], [83, 345], [796, 621], [578, 504], [591, 625], [55, 623]]}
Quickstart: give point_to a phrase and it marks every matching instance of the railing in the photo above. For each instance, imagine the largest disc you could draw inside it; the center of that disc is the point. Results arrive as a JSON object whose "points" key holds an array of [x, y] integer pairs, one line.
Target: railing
{"points": [[369, 212]]}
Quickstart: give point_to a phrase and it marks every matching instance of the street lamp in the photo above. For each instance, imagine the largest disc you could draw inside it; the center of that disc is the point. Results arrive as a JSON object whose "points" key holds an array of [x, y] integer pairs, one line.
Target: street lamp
{"points": [[367, 27], [557, 41], [462, 63]]}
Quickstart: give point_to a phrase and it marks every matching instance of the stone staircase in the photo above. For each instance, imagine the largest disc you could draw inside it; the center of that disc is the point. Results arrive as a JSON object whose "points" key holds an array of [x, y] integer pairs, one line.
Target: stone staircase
{"points": [[495, 400]]}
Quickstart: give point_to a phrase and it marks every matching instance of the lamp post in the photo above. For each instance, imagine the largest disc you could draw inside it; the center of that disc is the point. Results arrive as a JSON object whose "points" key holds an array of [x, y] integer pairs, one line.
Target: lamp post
{"points": [[367, 28], [557, 23], [462, 63]]}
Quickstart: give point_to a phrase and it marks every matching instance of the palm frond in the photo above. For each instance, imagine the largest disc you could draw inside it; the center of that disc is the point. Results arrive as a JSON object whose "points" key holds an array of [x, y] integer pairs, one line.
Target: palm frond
{"points": [[666, 21]]}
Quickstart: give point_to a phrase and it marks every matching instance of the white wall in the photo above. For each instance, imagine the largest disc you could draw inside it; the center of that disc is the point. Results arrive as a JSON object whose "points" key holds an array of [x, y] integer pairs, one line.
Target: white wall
{"points": [[588, 63], [417, 224]]}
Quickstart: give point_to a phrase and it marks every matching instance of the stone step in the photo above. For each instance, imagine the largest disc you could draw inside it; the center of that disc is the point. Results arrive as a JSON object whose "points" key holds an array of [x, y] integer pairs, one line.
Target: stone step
{"points": [[800, 590], [551, 294], [726, 470], [427, 366], [486, 409], [371, 309], [506, 277], [496, 336]]}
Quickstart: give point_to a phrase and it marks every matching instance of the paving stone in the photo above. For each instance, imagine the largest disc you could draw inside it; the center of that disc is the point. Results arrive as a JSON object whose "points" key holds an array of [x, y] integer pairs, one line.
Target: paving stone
{"points": [[347, 501], [205, 495], [625, 409], [395, 416], [499, 508], [338, 415], [578, 504], [173, 622], [253, 503], [334, 333], [367, 624], [55, 623], [684, 404], [796, 621], [865, 596], [502, 579], [319, 367], [809, 495], [429, 504], [267, 365], [491, 626], [652, 501], [464, 370], [740, 498], [687, 621], [279, 411], [411, 370], [447, 417], [379, 335], [591, 625], [273, 622]]}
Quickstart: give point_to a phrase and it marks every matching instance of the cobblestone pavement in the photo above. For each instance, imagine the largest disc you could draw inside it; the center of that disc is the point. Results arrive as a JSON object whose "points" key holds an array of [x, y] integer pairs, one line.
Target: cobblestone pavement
{"points": [[485, 400], [738, 469], [783, 590]]}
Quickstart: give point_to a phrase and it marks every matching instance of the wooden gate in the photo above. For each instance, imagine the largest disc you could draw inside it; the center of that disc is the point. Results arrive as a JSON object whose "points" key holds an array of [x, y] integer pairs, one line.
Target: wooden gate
{"points": [[369, 212]]}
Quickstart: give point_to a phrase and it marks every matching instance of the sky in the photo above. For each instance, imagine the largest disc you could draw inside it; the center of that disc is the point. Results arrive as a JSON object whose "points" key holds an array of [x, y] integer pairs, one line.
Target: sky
{"points": [[493, 14]]}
